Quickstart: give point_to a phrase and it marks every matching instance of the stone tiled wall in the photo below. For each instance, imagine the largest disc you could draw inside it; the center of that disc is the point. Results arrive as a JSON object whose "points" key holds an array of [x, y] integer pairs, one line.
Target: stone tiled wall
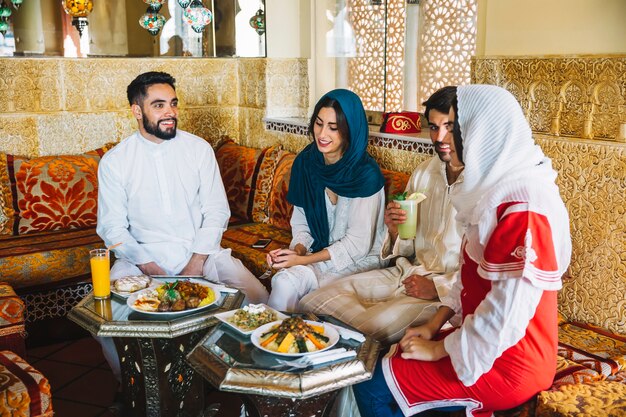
{"points": [[65, 106]]}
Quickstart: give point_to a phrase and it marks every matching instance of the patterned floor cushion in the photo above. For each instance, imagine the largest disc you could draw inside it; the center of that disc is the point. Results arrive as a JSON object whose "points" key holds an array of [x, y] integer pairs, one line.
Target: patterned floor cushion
{"points": [[24, 391], [593, 347], [570, 372], [241, 238], [584, 400], [12, 331]]}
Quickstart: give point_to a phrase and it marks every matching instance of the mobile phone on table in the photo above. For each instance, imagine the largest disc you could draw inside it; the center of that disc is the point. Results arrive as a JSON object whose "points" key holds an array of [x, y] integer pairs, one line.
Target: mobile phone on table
{"points": [[261, 243]]}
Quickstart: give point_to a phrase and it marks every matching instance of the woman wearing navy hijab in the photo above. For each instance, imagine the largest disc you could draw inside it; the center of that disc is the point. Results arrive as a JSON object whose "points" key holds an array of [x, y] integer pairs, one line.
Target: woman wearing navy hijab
{"points": [[337, 191]]}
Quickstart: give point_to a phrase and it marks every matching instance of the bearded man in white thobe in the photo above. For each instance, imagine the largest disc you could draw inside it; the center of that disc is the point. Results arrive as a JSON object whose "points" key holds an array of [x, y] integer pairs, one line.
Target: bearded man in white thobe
{"points": [[161, 196], [384, 302]]}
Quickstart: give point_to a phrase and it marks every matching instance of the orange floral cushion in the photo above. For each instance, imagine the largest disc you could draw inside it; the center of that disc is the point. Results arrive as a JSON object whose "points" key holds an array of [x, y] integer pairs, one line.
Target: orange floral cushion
{"points": [[395, 182], [247, 175], [279, 209], [49, 193]]}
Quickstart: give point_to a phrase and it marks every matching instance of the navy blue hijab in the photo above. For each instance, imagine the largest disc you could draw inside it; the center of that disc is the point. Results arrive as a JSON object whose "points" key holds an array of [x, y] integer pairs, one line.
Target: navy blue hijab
{"points": [[356, 174]]}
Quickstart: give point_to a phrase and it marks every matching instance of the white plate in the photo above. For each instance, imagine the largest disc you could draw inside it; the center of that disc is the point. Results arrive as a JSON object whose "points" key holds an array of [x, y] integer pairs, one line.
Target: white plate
{"points": [[130, 301], [125, 294], [329, 332], [225, 316]]}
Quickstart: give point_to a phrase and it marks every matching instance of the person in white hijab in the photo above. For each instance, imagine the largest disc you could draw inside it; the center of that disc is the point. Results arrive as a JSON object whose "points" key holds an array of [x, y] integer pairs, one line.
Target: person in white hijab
{"points": [[515, 249]]}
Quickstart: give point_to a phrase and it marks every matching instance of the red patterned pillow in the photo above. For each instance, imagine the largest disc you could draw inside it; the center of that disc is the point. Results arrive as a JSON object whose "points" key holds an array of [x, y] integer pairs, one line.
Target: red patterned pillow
{"points": [[49, 193], [247, 175], [395, 182], [279, 209]]}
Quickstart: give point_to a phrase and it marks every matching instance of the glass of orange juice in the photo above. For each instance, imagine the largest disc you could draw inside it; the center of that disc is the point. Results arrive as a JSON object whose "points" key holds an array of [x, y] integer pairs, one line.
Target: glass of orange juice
{"points": [[100, 266]]}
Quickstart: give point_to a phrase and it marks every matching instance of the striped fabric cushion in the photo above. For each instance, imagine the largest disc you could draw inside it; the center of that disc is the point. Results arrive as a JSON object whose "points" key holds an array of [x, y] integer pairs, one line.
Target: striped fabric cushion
{"points": [[593, 347]]}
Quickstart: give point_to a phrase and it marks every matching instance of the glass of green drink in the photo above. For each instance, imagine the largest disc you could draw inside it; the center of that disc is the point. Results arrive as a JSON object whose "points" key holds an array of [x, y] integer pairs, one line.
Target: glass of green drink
{"points": [[408, 229]]}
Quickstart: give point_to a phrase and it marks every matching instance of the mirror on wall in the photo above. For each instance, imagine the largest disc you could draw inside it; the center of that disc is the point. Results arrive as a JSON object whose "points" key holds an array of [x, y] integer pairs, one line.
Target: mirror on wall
{"points": [[121, 28]]}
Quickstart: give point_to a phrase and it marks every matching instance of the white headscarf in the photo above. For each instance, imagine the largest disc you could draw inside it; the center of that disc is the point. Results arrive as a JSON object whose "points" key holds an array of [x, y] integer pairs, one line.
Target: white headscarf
{"points": [[503, 164]]}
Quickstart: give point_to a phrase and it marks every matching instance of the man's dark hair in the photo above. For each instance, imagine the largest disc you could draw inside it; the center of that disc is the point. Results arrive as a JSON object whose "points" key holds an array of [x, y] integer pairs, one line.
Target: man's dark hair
{"points": [[137, 90], [342, 122], [441, 100]]}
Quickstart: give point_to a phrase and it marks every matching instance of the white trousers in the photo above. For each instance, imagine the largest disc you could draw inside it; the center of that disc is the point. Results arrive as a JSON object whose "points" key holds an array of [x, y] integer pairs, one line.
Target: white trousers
{"points": [[221, 266], [290, 285]]}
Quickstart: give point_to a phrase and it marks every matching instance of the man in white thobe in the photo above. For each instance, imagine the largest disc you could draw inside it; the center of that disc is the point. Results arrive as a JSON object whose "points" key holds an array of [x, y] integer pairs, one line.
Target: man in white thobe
{"points": [[161, 197]]}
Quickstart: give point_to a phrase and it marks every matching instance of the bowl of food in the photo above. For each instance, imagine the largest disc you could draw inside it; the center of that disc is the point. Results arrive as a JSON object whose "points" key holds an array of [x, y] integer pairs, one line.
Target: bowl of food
{"points": [[294, 337], [247, 319], [174, 297]]}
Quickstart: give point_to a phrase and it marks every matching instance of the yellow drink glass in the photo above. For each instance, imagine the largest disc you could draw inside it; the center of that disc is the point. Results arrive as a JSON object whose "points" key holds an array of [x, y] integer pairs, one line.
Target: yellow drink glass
{"points": [[408, 229], [100, 273]]}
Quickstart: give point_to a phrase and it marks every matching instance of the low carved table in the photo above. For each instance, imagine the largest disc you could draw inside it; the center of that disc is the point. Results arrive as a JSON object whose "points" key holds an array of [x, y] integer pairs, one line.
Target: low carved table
{"points": [[157, 381], [230, 362]]}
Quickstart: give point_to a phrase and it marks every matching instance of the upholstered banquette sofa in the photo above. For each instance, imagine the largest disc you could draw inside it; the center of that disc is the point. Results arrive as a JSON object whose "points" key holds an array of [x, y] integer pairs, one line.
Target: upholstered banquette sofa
{"points": [[48, 208], [591, 362]]}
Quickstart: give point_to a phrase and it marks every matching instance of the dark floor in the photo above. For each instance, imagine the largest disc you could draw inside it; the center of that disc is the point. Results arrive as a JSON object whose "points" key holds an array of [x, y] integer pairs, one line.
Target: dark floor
{"points": [[81, 380]]}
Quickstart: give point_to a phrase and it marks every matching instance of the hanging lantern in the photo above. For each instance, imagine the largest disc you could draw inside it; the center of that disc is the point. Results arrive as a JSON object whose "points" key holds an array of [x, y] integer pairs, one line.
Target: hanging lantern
{"points": [[184, 3], [258, 22], [4, 26], [155, 4], [197, 15], [152, 21], [16, 3], [5, 10], [78, 9]]}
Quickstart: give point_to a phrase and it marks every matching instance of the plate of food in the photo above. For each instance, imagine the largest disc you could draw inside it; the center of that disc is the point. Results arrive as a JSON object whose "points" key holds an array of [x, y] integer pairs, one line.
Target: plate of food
{"points": [[125, 286], [247, 319], [174, 297], [294, 337]]}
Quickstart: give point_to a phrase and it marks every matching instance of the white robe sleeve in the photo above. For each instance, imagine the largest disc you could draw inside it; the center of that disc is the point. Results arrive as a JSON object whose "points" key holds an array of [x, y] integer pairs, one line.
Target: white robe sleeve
{"points": [[363, 215], [300, 229], [213, 206], [113, 224], [499, 322]]}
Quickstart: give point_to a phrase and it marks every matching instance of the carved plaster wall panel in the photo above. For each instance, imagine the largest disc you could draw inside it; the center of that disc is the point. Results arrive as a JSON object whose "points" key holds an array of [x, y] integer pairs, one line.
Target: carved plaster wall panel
{"points": [[397, 159], [67, 133], [287, 87], [206, 82], [30, 85], [581, 97], [252, 129], [252, 83], [211, 123], [592, 180], [18, 134], [96, 85]]}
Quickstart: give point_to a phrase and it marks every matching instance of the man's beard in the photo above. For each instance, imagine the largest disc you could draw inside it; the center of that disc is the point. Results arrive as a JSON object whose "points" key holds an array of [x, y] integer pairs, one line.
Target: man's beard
{"points": [[155, 128], [443, 156]]}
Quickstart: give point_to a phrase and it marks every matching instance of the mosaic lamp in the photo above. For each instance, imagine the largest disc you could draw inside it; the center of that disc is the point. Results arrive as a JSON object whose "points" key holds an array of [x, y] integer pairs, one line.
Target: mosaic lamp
{"points": [[184, 3], [152, 21], [16, 3], [198, 16], [4, 26], [155, 4], [78, 9], [258, 22], [5, 10]]}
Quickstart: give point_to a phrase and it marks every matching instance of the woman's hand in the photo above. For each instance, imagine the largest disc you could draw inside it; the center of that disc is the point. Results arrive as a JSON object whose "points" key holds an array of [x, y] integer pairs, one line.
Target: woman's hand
{"points": [[283, 258], [422, 349], [394, 216], [423, 332]]}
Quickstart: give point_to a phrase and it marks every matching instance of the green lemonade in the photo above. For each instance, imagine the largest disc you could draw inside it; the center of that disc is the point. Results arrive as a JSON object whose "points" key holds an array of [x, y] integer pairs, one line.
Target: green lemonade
{"points": [[408, 229]]}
